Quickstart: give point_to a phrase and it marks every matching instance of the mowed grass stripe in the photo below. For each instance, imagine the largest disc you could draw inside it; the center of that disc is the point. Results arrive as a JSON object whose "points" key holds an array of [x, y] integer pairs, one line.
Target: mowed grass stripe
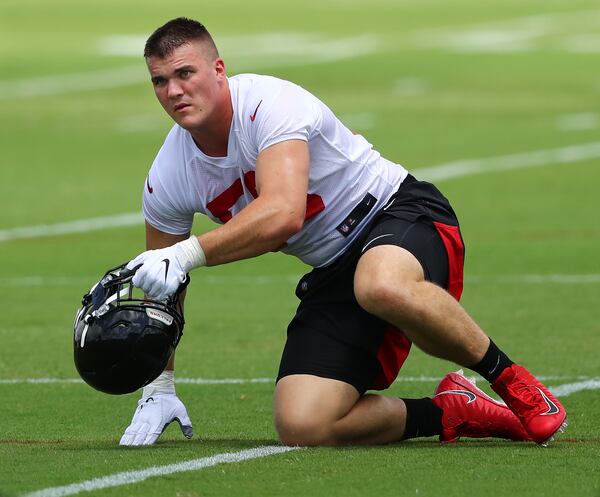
{"points": [[445, 171], [128, 477]]}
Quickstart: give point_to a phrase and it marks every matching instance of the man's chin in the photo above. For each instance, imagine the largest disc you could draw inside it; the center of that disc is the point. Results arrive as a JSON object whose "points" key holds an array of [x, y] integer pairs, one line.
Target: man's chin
{"points": [[185, 122]]}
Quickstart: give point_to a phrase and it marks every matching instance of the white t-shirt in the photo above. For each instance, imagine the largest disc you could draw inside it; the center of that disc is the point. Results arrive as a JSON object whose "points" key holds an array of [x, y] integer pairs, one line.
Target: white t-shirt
{"points": [[344, 172]]}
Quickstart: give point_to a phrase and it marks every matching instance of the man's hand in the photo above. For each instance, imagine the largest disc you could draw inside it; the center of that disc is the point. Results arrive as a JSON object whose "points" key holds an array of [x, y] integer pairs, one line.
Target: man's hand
{"points": [[160, 274], [152, 415], [163, 270]]}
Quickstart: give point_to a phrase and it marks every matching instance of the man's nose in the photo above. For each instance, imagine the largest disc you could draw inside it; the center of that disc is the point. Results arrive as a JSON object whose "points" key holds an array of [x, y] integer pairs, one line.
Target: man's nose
{"points": [[174, 89]]}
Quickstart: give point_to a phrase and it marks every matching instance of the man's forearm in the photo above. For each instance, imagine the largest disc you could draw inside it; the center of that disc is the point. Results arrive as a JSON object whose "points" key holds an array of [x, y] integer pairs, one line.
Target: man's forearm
{"points": [[263, 226]]}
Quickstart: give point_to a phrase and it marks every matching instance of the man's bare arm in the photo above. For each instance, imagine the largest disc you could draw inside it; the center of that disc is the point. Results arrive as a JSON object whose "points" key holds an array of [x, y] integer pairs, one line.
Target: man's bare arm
{"points": [[266, 223]]}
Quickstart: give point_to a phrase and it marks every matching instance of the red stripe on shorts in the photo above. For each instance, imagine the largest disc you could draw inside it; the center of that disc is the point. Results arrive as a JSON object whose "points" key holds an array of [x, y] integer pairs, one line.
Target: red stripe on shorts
{"points": [[455, 249], [395, 346], [392, 353]]}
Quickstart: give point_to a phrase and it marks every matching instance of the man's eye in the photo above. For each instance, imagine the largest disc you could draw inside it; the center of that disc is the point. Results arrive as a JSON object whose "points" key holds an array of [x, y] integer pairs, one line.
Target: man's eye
{"points": [[185, 74]]}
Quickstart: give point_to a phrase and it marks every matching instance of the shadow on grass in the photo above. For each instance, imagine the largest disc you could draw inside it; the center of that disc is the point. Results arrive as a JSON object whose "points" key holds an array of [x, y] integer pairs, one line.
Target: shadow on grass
{"points": [[206, 445]]}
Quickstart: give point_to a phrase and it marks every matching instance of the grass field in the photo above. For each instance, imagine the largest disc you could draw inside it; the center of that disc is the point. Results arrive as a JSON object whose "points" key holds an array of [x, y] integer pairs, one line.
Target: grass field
{"points": [[498, 102]]}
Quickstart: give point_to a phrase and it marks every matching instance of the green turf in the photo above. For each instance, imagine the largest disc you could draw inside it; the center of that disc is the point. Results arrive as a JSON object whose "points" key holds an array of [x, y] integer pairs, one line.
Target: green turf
{"points": [[83, 154]]}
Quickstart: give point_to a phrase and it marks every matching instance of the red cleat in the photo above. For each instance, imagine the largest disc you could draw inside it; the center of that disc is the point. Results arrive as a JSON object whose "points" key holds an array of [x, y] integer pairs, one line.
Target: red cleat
{"points": [[470, 412], [539, 411]]}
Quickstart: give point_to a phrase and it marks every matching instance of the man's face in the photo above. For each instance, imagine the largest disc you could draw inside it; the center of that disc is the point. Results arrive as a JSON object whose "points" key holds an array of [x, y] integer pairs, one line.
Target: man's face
{"points": [[187, 84]]}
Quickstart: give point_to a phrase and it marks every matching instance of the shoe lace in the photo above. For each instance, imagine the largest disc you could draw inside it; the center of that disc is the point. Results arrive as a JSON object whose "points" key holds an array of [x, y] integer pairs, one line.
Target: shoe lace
{"points": [[526, 395]]}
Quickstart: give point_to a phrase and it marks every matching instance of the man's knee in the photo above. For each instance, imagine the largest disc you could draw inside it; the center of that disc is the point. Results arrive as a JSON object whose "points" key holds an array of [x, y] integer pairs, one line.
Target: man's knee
{"points": [[308, 409], [390, 300], [384, 282], [380, 297], [300, 430]]}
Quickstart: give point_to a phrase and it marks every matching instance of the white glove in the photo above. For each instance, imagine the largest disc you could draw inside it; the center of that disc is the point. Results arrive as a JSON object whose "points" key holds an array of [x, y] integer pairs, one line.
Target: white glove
{"points": [[157, 408], [163, 270]]}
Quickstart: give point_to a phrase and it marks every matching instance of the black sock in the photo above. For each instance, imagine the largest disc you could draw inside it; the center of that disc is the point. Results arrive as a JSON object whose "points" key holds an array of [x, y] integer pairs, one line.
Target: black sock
{"points": [[493, 363], [423, 418]]}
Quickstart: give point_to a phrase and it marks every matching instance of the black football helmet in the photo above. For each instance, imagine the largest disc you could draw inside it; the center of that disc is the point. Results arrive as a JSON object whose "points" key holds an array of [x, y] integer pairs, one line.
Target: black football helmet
{"points": [[122, 343]]}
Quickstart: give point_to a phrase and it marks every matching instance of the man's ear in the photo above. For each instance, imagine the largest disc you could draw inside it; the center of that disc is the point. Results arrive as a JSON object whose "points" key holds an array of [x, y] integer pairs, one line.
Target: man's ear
{"points": [[219, 66]]}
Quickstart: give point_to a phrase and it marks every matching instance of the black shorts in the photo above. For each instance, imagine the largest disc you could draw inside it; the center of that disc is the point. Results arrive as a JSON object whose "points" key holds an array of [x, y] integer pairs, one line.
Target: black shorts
{"points": [[331, 336]]}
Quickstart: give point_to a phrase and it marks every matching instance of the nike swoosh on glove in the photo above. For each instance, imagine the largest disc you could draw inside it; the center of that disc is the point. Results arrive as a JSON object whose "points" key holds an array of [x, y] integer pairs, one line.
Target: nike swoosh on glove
{"points": [[152, 415], [161, 273]]}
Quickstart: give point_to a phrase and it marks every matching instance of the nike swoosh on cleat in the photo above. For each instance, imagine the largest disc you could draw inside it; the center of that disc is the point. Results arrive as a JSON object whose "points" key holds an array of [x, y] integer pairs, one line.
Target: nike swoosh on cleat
{"points": [[470, 395], [167, 262], [552, 407]]}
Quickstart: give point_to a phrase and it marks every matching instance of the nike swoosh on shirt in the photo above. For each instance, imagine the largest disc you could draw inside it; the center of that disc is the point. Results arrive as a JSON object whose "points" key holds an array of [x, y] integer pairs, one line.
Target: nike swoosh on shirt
{"points": [[150, 189], [253, 116], [167, 262]]}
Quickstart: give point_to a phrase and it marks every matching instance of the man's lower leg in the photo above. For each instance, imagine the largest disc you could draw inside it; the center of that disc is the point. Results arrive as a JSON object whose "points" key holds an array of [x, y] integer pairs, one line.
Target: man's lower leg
{"points": [[493, 363], [423, 418], [440, 326]]}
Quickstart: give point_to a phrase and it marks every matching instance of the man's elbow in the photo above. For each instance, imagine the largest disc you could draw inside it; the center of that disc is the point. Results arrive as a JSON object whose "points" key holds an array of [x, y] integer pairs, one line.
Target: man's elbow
{"points": [[286, 227]]}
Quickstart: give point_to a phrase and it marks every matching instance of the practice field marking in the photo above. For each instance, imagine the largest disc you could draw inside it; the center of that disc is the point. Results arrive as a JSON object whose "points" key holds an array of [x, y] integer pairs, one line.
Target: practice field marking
{"points": [[574, 32], [408, 87], [445, 171], [536, 158], [537, 279], [63, 84], [265, 50], [587, 381], [33, 281], [270, 49], [580, 121], [68, 227], [571, 388], [259, 51], [129, 477]]}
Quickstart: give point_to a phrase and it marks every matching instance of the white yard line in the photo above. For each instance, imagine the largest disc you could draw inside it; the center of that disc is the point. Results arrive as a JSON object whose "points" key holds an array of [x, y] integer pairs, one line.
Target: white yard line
{"points": [[582, 380], [68, 227], [64, 84], [579, 121], [238, 279], [244, 53], [571, 31], [535, 158], [536, 279], [264, 50], [129, 477], [571, 388], [445, 171]]}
